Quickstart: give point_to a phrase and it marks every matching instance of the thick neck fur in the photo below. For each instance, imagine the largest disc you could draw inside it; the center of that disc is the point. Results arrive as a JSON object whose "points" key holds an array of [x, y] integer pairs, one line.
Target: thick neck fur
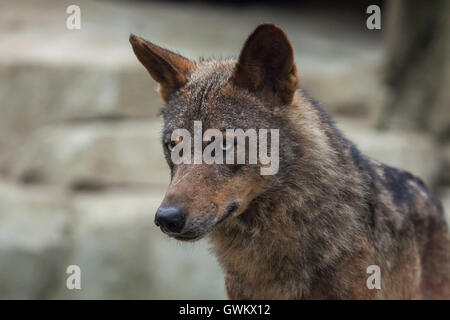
{"points": [[302, 225]]}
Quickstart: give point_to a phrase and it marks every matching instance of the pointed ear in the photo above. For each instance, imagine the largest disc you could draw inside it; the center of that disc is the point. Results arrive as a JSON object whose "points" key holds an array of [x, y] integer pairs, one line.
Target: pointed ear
{"points": [[266, 65], [167, 68]]}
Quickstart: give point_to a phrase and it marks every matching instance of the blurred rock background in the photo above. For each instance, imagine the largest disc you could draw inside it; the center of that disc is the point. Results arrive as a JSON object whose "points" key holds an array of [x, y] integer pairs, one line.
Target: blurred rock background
{"points": [[81, 167]]}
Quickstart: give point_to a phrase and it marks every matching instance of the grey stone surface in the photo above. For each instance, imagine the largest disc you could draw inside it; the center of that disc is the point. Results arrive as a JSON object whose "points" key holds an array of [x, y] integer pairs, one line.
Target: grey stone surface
{"points": [[34, 226], [109, 235], [103, 153], [34, 97], [110, 244], [123, 255]]}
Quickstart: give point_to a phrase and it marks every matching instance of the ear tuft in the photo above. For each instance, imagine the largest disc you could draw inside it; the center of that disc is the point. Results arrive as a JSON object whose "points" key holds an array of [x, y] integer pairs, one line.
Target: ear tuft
{"points": [[167, 68], [266, 65]]}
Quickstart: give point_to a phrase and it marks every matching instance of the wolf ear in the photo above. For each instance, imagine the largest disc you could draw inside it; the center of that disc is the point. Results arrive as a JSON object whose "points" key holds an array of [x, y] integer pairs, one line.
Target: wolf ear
{"points": [[266, 65], [167, 68]]}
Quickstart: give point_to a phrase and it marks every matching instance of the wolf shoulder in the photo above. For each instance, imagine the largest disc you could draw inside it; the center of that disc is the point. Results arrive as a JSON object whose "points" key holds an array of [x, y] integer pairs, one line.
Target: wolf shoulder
{"points": [[406, 195]]}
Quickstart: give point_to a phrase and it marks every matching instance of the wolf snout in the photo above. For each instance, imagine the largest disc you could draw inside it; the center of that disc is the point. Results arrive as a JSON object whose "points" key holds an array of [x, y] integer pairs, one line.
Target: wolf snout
{"points": [[170, 219]]}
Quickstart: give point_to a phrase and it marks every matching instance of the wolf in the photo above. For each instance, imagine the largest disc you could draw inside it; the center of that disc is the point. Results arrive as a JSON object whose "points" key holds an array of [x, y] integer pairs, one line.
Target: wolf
{"points": [[313, 229]]}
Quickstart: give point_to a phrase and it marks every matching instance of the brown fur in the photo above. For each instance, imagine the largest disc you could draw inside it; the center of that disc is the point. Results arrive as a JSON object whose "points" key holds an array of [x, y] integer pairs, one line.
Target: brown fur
{"points": [[311, 230]]}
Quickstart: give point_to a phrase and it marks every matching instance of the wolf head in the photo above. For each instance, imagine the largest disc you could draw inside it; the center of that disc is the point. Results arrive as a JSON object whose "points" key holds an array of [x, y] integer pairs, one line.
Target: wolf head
{"points": [[254, 92]]}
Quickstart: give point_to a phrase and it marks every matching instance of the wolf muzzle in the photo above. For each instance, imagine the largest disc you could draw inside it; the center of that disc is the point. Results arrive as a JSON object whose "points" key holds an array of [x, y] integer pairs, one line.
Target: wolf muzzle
{"points": [[170, 219]]}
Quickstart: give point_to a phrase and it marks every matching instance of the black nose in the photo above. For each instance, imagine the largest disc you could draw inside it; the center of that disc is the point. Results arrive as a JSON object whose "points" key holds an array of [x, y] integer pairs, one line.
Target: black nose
{"points": [[170, 219]]}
